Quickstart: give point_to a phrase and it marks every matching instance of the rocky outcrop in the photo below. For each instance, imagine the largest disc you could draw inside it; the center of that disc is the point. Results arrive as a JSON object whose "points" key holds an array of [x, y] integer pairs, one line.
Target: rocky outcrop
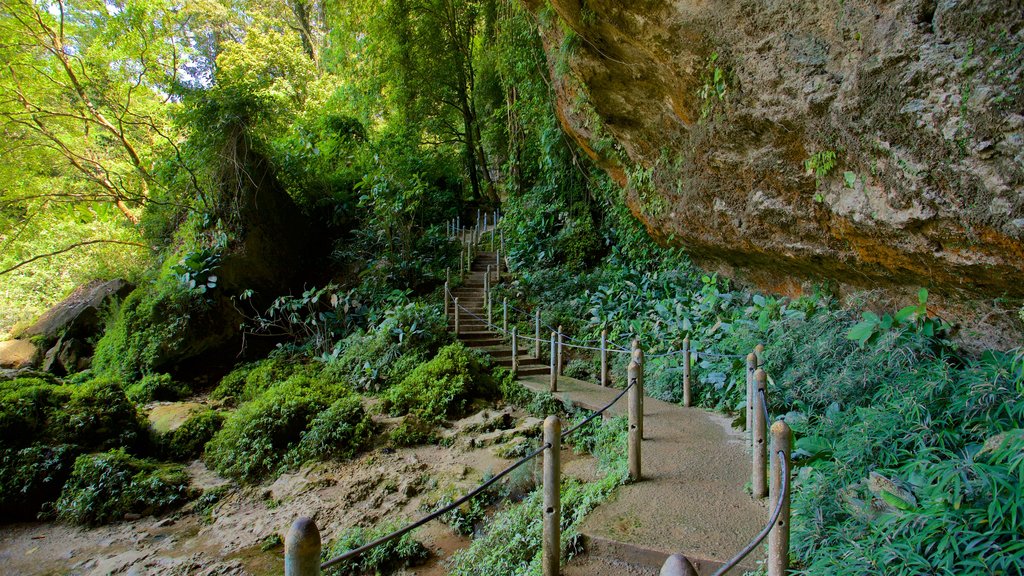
{"points": [[18, 354], [861, 144]]}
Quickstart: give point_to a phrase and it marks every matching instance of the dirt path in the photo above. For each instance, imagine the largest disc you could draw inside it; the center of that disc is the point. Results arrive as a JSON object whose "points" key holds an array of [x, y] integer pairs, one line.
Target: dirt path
{"points": [[691, 499], [239, 536]]}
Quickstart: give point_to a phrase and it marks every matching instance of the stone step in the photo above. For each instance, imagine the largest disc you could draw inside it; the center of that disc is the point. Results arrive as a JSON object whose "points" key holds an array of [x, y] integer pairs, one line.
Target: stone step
{"points": [[534, 370], [479, 342]]}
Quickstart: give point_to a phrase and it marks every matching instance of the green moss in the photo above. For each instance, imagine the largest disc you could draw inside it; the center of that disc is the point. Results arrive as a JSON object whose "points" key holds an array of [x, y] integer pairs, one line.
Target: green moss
{"points": [[383, 559], [247, 381], [442, 387], [32, 477], [187, 441], [411, 432], [142, 332], [98, 416], [257, 438], [104, 487], [157, 387]]}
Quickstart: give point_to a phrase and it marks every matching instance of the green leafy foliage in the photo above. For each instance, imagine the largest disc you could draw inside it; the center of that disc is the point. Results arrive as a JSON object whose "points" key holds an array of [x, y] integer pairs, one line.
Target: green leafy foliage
{"points": [[398, 553], [187, 441], [300, 418], [104, 487], [909, 319], [156, 387], [32, 477], [443, 386]]}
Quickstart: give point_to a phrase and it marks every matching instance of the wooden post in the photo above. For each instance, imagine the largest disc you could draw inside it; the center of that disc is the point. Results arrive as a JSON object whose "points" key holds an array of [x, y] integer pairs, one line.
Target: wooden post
{"points": [[446, 302], [677, 565], [487, 295], [515, 353], [469, 258], [462, 262], [448, 275], [497, 261], [504, 315], [759, 352], [560, 342], [687, 396], [536, 333], [554, 371], [302, 549], [778, 538], [634, 379], [759, 480], [751, 367], [455, 303], [604, 357], [552, 534], [638, 357]]}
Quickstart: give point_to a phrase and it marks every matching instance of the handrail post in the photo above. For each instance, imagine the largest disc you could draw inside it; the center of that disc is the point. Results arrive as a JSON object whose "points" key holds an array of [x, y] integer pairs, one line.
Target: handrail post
{"points": [[749, 426], [638, 356], [759, 353], [487, 294], [446, 301], [504, 315], [687, 396], [604, 357], [634, 378], [515, 353], [462, 262], [677, 565], [778, 538], [558, 364], [302, 549], [455, 302], [536, 333], [759, 479], [554, 371], [552, 535]]}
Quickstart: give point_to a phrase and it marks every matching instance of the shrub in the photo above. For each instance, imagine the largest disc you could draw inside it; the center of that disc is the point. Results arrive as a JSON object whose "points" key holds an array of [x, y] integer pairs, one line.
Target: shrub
{"points": [[156, 387], [580, 370], [247, 381], [187, 441], [256, 438], [26, 406], [337, 432], [442, 387], [151, 322], [104, 487], [412, 431], [383, 559], [32, 477], [98, 416]]}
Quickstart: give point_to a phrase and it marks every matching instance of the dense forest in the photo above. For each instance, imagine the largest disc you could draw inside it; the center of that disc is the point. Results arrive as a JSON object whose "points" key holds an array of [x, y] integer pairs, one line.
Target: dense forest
{"points": [[256, 201]]}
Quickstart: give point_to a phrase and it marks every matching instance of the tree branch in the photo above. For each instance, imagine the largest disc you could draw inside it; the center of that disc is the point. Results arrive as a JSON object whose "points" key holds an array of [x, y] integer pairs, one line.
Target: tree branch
{"points": [[69, 248]]}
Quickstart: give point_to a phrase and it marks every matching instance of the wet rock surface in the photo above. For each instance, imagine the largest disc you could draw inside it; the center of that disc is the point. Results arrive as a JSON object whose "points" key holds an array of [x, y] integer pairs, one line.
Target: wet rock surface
{"points": [[861, 143]]}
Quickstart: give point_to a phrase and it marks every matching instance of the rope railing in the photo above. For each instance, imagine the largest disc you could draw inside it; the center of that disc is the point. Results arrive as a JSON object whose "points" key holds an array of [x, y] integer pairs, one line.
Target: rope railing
{"points": [[303, 543], [302, 546]]}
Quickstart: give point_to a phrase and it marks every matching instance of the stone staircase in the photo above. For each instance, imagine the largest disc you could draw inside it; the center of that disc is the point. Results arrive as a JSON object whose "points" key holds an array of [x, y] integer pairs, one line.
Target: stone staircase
{"points": [[473, 329], [691, 499]]}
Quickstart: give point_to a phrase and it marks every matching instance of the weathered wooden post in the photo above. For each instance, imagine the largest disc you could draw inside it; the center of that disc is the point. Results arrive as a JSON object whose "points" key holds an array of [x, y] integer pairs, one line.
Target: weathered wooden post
{"points": [[497, 262], [487, 295], [634, 379], [554, 371], [504, 315], [759, 352], [515, 353], [560, 343], [759, 480], [778, 538], [638, 357], [455, 304], [448, 275], [302, 549], [469, 258], [749, 426], [604, 357], [552, 536], [446, 302], [536, 333], [677, 565], [687, 396], [462, 262]]}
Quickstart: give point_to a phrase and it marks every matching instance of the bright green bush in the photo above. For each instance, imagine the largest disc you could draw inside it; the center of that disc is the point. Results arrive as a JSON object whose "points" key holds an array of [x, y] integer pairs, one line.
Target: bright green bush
{"points": [[104, 487], [32, 477], [187, 441], [247, 381], [444, 386], [98, 416], [383, 559], [156, 387], [256, 439], [337, 432], [412, 431], [26, 406], [151, 323]]}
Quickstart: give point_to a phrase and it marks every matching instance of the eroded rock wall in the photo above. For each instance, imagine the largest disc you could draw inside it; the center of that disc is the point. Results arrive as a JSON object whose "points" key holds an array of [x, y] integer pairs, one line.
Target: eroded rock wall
{"points": [[712, 114]]}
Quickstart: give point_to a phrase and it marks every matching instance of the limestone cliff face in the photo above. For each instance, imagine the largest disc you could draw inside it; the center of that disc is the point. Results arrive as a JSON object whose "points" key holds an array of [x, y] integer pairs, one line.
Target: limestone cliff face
{"points": [[865, 143]]}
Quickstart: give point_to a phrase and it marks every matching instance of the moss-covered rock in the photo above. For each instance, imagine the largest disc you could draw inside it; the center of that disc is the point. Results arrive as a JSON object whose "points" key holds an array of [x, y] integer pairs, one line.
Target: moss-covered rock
{"points": [[105, 487], [187, 441], [156, 387], [442, 387], [32, 477]]}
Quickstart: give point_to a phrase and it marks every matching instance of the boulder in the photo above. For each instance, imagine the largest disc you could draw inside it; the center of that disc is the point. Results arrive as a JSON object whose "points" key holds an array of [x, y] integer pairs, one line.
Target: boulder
{"points": [[78, 315], [18, 354]]}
